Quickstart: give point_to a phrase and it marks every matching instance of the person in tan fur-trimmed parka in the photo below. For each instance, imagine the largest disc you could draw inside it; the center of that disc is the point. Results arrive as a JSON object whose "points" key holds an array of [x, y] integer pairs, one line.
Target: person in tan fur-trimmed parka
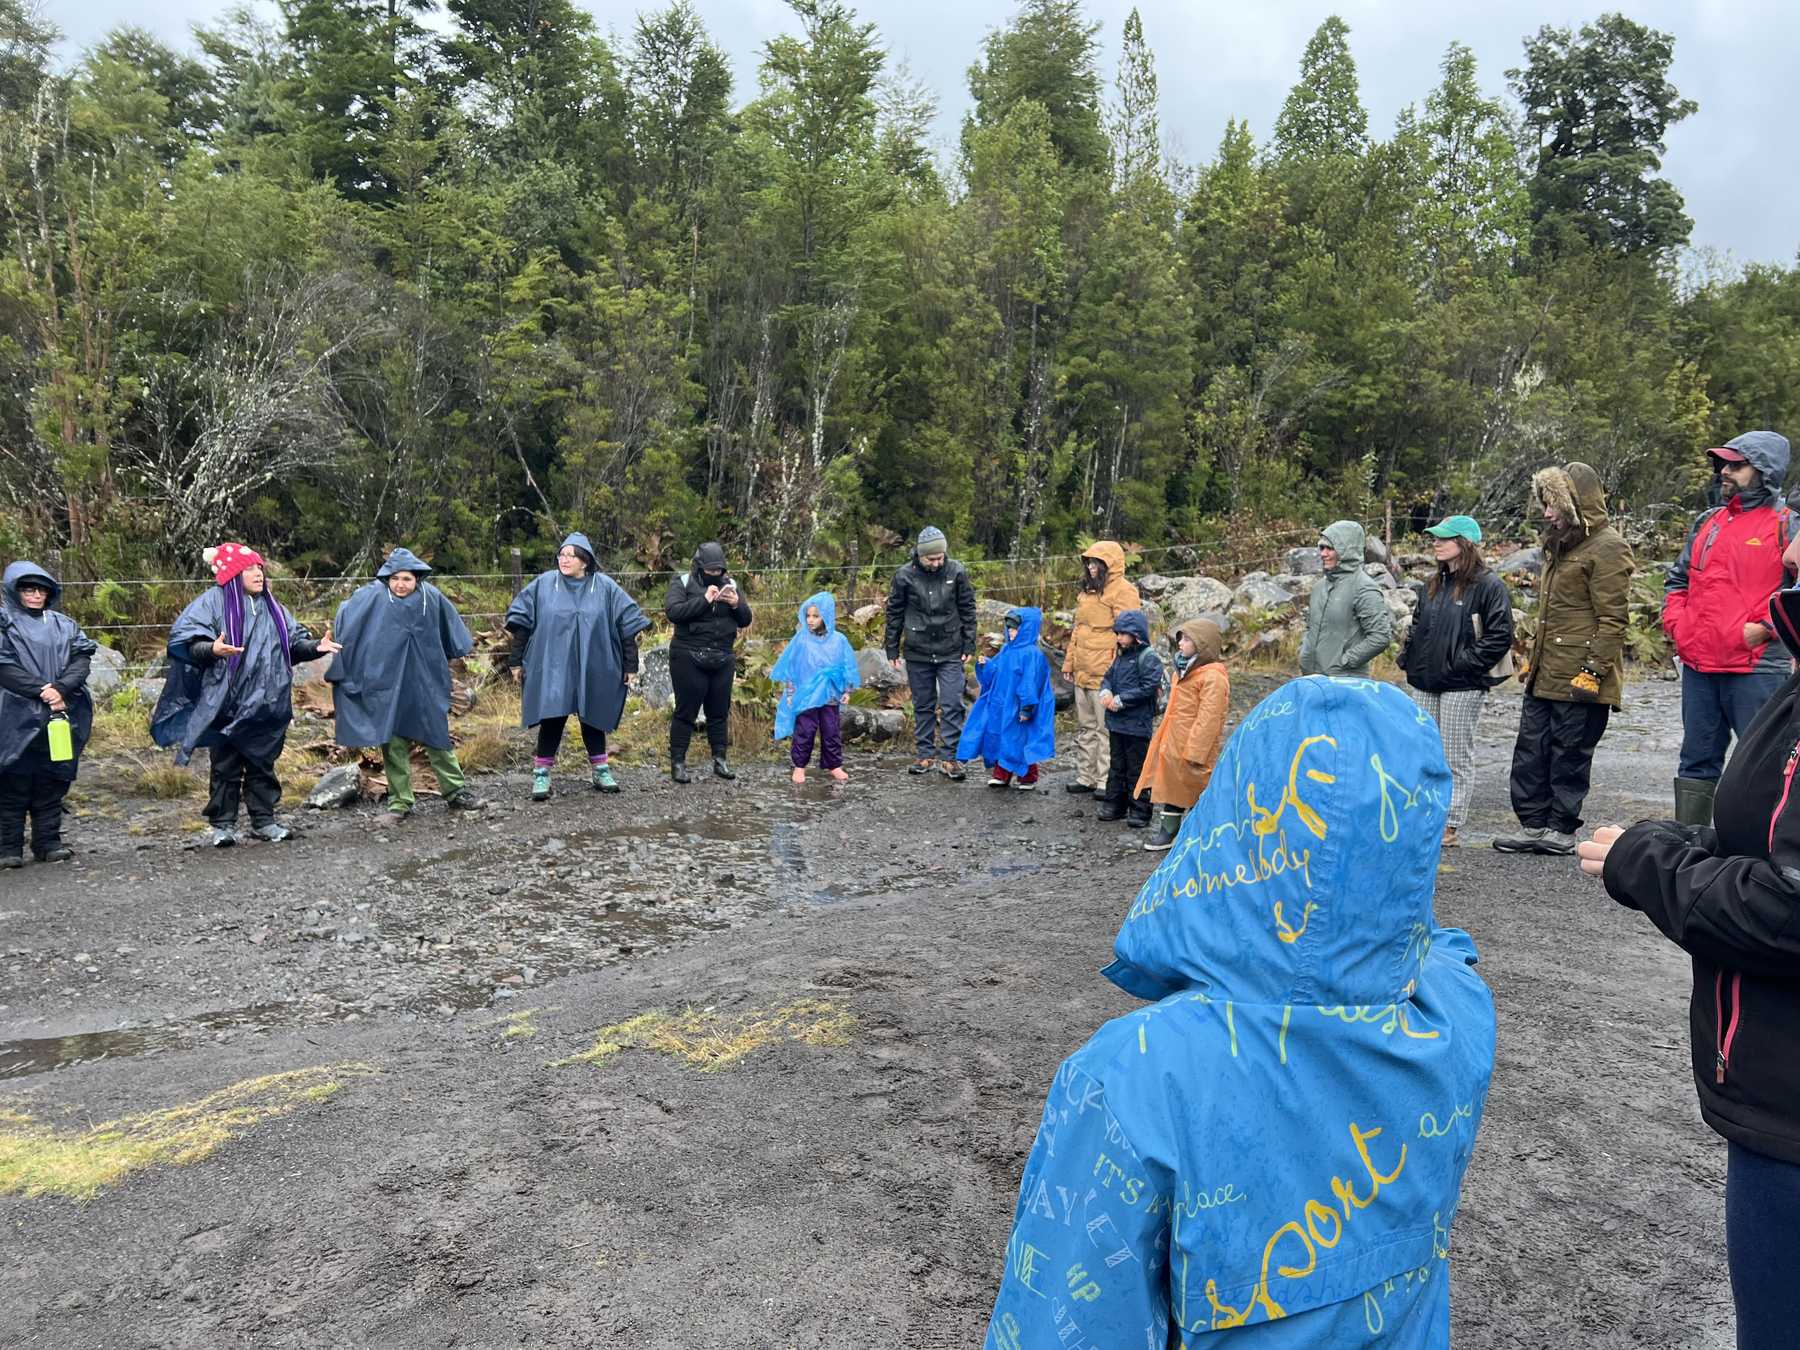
{"points": [[1572, 673]]}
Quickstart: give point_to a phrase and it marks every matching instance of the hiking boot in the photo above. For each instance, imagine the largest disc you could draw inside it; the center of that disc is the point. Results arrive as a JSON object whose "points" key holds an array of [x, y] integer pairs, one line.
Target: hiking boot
{"points": [[223, 837], [678, 771], [953, 771], [998, 779], [272, 833], [1556, 843], [540, 783], [56, 853], [8, 861], [464, 801], [1526, 841], [1168, 825], [919, 768], [1110, 811], [1080, 789], [1025, 785], [604, 780], [722, 768]]}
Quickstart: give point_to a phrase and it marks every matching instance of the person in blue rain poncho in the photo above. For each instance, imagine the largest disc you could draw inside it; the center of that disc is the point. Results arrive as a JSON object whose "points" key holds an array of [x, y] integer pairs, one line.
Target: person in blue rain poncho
{"points": [[817, 670], [575, 649], [44, 660], [230, 690], [1277, 1142], [1013, 723], [391, 683]]}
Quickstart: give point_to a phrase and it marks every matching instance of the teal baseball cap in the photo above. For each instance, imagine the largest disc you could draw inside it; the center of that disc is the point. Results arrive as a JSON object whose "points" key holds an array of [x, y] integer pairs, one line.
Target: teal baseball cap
{"points": [[1457, 527]]}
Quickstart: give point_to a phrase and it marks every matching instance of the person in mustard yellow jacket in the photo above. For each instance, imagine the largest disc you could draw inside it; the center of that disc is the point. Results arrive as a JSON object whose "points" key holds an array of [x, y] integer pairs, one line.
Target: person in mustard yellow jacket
{"points": [[1105, 594], [1186, 746]]}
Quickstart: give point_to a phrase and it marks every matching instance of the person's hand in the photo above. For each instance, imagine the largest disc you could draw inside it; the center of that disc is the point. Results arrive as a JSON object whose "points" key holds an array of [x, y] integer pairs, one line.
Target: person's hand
{"points": [[1756, 635], [221, 649], [730, 596], [327, 645], [712, 594], [518, 674], [51, 695], [631, 679], [1592, 852], [844, 699], [898, 664]]}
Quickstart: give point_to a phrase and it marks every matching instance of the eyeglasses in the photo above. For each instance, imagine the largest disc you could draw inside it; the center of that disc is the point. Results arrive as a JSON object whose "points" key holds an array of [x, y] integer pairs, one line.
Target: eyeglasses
{"points": [[33, 587]]}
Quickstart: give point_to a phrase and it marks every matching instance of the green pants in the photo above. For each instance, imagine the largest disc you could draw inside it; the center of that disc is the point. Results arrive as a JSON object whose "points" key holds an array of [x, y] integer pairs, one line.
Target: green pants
{"points": [[395, 757]]}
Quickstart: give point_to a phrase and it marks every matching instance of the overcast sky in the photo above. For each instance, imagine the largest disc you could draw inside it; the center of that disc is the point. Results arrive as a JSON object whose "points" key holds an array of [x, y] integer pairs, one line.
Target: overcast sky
{"points": [[1735, 160]]}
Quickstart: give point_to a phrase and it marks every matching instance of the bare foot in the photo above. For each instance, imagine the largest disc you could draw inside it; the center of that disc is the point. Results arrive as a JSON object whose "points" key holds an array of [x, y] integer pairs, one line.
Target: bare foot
{"points": [[840, 775], [799, 775]]}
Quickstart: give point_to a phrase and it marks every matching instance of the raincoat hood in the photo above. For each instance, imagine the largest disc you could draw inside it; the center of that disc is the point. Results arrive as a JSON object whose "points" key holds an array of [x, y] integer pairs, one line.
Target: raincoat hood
{"points": [[1105, 551], [404, 560], [818, 668], [1347, 537], [1575, 493], [581, 541], [1209, 642], [709, 557], [1030, 624], [1767, 452], [29, 571], [1135, 622], [1305, 873]]}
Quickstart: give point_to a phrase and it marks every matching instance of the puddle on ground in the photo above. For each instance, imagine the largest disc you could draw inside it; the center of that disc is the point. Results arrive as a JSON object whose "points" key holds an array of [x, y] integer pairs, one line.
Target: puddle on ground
{"points": [[40, 1054]]}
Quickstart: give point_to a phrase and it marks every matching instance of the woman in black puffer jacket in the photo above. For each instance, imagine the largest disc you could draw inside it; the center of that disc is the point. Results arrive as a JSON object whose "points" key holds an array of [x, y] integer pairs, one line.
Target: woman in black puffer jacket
{"points": [[1729, 896], [704, 605], [1461, 630]]}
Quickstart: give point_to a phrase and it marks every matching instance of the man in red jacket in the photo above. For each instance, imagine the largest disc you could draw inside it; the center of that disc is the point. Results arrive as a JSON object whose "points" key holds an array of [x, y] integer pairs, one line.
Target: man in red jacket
{"points": [[1716, 612]]}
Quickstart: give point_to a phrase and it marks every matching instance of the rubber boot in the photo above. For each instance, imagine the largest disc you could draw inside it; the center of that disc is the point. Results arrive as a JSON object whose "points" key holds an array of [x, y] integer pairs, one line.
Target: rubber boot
{"points": [[1694, 800]]}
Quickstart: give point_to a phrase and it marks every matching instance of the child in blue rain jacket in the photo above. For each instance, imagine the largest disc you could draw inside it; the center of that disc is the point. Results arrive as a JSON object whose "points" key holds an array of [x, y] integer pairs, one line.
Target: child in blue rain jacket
{"points": [[1013, 723], [1128, 693], [1277, 1143], [817, 670]]}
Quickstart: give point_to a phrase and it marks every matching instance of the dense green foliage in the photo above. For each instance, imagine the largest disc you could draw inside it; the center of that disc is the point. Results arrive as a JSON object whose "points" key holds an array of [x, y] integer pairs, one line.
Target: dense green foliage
{"points": [[354, 278]]}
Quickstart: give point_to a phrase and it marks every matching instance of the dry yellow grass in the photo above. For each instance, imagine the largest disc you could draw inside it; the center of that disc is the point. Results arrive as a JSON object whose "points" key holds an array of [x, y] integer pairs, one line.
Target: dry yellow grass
{"points": [[164, 781], [707, 1040], [519, 1026], [119, 727], [39, 1159]]}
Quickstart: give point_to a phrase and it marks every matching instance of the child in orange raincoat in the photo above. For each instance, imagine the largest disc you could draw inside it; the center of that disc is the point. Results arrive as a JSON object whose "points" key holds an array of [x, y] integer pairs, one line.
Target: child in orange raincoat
{"points": [[1186, 745]]}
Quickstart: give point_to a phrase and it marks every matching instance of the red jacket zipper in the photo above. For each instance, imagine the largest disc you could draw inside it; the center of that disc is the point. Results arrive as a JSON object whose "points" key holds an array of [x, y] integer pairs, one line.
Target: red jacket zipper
{"points": [[1728, 1030]]}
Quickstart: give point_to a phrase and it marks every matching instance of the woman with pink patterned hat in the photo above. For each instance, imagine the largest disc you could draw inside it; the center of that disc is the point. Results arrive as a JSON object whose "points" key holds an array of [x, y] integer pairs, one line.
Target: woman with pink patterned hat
{"points": [[230, 689]]}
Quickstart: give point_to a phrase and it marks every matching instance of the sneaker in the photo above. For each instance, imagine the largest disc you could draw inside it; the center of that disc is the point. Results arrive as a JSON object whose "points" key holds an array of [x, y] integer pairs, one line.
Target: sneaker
{"points": [[1556, 843], [272, 833], [996, 780], [464, 801], [953, 771], [839, 776], [604, 780], [1025, 785], [8, 861], [722, 768], [1449, 836], [1526, 841], [399, 813], [1080, 789], [540, 783], [56, 853], [919, 767], [223, 837], [798, 775]]}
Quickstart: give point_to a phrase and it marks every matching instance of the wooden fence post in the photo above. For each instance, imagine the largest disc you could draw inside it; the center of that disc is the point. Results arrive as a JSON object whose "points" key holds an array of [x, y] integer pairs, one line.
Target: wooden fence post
{"points": [[518, 571]]}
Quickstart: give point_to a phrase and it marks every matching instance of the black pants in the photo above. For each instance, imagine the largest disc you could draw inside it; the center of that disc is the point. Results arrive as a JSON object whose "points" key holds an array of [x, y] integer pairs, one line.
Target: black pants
{"points": [[696, 688], [1122, 773], [31, 786], [1552, 761], [550, 734], [239, 777]]}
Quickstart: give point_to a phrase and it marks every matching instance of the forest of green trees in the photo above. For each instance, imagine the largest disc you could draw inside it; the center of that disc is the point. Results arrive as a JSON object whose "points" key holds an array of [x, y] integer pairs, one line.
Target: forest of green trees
{"points": [[346, 279]]}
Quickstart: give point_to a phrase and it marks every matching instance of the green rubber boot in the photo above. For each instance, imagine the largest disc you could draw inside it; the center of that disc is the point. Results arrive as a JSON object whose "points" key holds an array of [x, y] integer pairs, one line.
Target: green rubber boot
{"points": [[1694, 800]]}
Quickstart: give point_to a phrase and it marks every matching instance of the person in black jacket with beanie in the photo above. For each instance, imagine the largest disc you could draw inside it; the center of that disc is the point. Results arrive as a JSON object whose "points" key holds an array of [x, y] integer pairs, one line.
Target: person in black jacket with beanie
{"points": [[1462, 629], [1730, 897], [707, 610], [931, 634]]}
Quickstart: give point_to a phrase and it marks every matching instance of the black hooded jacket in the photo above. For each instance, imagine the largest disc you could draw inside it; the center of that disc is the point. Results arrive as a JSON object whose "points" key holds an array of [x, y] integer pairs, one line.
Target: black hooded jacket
{"points": [[1730, 897], [703, 625], [1442, 654], [931, 613]]}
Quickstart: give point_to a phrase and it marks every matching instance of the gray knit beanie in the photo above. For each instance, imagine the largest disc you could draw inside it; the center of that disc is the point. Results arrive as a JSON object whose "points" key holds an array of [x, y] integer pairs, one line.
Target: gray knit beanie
{"points": [[931, 542]]}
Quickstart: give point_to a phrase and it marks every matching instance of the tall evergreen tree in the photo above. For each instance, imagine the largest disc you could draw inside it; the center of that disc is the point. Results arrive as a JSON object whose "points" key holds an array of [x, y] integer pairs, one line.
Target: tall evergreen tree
{"points": [[1047, 54], [1323, 114]]}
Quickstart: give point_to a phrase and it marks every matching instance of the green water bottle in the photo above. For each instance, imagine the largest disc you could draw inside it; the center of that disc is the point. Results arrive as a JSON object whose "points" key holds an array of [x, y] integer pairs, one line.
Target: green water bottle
{"points": [[62, 740]]}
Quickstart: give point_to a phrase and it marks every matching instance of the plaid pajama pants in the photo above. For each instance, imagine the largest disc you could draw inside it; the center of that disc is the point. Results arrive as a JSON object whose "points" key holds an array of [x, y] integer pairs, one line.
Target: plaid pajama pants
{"points": [[1457, 714]]}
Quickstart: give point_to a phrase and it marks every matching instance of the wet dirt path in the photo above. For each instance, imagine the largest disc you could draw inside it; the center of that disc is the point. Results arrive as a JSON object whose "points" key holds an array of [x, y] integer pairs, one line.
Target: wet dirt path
{"points": [[475, 1190]]}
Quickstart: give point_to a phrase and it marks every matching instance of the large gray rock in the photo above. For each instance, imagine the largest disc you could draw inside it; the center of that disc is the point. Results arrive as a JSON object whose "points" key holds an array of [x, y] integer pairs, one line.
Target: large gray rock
{"points": [[341, 786], [866, 613], [1304, 562], [1301, 584], [873, 724], [1530, 560], [1154, 613], [1153, 584], [654, 685], [1401, 604], [148, 692], [106, 673], [990, 615], [1374, 550], [1060, 684], [311, 672], [1383, 577], [872, 665], [1260, 591], [1195, 598]]}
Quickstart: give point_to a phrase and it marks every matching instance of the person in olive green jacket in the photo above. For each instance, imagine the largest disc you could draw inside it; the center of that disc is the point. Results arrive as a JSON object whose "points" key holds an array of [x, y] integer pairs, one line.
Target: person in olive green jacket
{"points": [[1572, 674], [1348, 622]]}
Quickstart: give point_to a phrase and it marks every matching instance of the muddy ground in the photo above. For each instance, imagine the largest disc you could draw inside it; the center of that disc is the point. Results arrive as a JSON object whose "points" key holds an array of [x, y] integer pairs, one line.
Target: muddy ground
{"points": [[471, 1191]]}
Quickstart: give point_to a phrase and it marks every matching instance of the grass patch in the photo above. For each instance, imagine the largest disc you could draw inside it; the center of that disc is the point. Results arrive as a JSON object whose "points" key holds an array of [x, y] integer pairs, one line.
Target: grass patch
{"points": [[707, 1040], [519, 1026], [166, 781], [38, 1159], [121, 724], [484, 752]]}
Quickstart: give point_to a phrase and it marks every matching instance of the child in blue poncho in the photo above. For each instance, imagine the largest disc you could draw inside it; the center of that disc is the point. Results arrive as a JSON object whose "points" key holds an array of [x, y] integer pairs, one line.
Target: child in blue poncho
{"points": [[1013, 724], [817, 670]]}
